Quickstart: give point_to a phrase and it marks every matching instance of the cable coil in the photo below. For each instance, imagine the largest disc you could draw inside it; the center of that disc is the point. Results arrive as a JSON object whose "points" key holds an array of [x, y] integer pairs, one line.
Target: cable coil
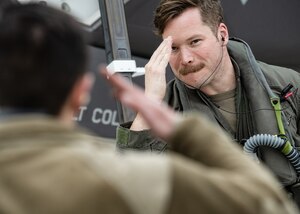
{"points": [[276, 142]]}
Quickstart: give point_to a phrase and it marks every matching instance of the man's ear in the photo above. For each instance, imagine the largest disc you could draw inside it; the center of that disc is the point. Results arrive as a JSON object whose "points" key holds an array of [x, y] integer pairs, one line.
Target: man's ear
{"points": [[223, 34], [81, 91]]}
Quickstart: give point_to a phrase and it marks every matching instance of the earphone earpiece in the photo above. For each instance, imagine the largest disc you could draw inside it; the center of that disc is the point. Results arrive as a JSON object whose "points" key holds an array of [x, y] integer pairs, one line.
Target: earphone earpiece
{"points": [[223, 41]]}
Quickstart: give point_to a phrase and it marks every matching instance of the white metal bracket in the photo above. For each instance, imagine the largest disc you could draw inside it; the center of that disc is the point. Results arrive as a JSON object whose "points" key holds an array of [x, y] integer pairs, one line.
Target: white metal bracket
{"points": [[126, 66]]}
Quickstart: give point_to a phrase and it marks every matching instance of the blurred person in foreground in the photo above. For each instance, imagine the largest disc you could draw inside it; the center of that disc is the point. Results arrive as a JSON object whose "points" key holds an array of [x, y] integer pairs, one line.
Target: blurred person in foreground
{"points": [[50, 165]]}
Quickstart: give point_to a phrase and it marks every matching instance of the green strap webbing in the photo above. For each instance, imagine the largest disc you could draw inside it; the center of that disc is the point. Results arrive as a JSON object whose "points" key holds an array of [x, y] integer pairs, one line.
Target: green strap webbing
{"points": [[277, 107], [287, 148]]}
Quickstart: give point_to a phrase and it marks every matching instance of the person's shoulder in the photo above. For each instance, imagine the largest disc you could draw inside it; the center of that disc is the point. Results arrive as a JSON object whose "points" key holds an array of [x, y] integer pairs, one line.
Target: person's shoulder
{"points": [[278, 75], [266, 68]]}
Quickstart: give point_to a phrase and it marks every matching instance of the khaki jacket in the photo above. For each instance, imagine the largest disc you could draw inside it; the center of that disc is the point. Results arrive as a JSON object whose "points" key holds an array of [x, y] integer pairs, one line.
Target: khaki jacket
{"points": [[47, 167]]}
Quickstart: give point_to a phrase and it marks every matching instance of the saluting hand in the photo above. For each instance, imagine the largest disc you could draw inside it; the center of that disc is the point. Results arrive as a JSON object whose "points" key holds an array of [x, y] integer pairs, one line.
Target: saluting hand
{"points": [[155, 70], [161, 118]]}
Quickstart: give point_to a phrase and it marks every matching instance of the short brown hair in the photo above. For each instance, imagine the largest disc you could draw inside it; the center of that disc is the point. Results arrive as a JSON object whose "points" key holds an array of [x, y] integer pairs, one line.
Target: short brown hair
{"points": [[210, 10]]}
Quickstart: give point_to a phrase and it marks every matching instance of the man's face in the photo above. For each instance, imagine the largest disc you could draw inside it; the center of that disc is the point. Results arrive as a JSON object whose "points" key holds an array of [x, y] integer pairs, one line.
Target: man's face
{"points": [[196, 51]]}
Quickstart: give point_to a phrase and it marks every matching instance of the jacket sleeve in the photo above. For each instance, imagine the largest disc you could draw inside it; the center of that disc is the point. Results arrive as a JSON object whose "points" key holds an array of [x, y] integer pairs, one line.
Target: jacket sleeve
{"points": [[138, 140], [217, 176], [143, 140]]}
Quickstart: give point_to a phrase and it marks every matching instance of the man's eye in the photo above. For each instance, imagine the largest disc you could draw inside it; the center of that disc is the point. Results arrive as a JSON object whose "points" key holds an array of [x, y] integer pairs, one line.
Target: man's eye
{"points": [[195, 42], [174, 49]]}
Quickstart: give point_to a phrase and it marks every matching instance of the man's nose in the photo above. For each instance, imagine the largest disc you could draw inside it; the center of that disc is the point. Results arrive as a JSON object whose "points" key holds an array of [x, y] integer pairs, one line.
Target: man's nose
{"points": [[186, 56]]}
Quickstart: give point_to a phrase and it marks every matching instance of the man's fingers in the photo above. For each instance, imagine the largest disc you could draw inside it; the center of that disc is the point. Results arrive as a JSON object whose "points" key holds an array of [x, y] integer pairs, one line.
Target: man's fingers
{"points": [[166, 54], [162, 49], [116, 80], [122, 88]]}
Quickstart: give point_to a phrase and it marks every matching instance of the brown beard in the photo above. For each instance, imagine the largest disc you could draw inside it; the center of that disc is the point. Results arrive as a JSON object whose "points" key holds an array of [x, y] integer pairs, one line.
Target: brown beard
{"points": [[191, 69]]}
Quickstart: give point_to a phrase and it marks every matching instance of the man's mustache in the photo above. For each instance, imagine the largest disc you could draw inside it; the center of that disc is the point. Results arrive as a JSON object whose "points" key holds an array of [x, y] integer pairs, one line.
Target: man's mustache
{"points": [[191, 69]]}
